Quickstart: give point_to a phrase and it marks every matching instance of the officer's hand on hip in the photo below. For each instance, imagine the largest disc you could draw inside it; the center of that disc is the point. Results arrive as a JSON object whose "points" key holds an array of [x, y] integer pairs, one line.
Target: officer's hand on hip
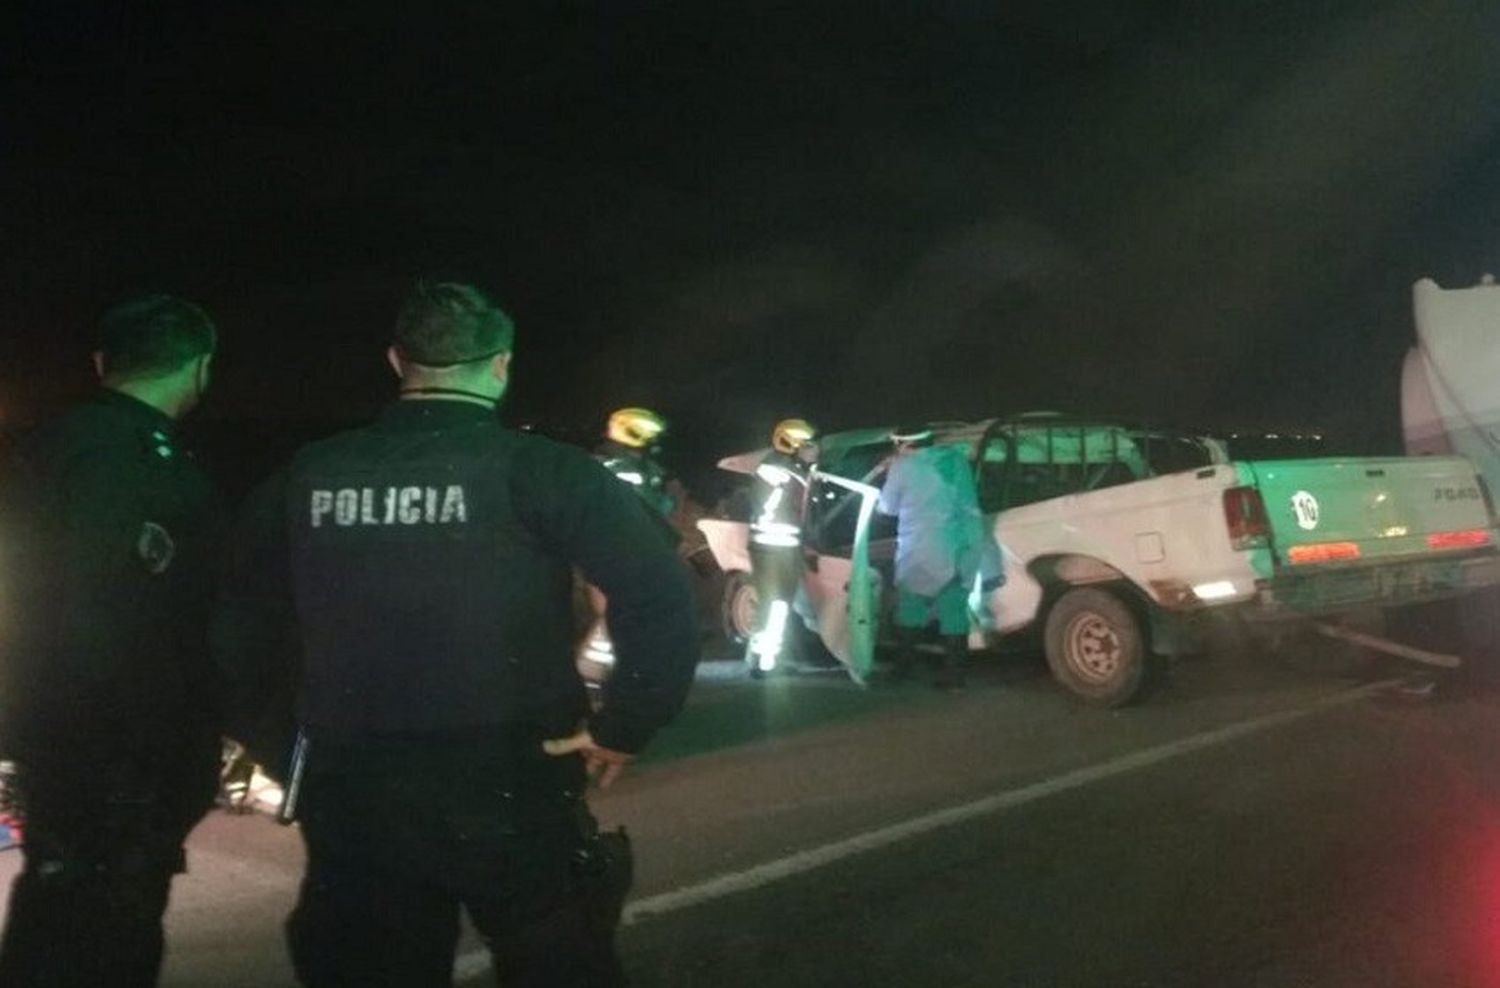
{"points": [[604, 763]]}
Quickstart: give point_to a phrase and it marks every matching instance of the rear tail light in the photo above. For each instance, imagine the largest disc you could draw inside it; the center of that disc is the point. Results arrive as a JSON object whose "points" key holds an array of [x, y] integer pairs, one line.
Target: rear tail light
{"points": [[1245, 514], [1323, 552], [1459, 540]]}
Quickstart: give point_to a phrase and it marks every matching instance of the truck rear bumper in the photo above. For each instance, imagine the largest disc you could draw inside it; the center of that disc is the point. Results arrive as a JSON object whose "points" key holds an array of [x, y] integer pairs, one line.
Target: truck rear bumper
{"points": [[1314, 592]]}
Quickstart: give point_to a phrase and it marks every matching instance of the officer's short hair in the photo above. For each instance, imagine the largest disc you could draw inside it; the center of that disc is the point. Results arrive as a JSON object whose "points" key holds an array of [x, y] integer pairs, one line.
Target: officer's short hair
{"points": [[446, 323], [154, 335]]}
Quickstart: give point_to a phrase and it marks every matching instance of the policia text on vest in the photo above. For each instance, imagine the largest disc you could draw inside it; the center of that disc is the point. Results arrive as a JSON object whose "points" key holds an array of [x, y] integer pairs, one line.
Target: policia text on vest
{"points": [[414, 505]]}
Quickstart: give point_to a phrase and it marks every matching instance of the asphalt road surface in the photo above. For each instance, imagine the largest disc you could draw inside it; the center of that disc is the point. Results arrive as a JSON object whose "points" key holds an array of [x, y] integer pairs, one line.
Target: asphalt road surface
{"points": [[1251, 825]]}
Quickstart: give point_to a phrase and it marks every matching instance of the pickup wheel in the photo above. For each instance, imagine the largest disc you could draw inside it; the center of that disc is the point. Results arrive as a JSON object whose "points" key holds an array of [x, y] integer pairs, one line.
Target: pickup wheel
{"points": [[737, 607], [1097, 649]]}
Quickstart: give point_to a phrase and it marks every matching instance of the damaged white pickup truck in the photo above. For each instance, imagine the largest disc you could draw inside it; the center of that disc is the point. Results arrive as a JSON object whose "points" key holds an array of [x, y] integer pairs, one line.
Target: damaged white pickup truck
{"points": [[1115, 539]]}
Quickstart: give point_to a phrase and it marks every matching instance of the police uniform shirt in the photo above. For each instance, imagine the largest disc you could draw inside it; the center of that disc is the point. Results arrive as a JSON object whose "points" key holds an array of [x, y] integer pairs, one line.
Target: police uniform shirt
{"points": [[424, 564], [112, 586]]}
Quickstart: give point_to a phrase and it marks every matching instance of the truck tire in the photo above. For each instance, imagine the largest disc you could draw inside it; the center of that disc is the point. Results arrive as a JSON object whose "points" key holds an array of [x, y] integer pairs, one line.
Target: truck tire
{"points": [[1097, 649], [737, 607]]}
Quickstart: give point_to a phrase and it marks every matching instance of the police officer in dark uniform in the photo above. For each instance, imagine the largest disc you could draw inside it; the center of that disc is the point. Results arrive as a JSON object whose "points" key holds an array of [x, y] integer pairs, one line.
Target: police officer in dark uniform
{"points": [[109, 700], [423, 564]]}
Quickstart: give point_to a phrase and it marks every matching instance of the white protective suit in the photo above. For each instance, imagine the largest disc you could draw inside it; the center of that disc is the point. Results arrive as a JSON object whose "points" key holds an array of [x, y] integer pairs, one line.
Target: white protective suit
{"points": [[940, 532]]}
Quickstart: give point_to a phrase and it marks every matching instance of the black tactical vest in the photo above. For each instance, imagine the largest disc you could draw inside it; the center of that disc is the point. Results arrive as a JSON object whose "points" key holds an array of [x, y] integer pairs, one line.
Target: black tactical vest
{"points": [[425, 606]]}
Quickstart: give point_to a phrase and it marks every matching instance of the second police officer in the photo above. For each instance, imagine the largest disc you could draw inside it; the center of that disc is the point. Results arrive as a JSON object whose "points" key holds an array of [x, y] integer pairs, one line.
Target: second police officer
{"points": [[420, 570], [110, 703]]}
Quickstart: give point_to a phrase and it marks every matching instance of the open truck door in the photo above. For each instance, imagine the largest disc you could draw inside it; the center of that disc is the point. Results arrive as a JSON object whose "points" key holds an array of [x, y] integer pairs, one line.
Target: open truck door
{"points": [[842, 588]]}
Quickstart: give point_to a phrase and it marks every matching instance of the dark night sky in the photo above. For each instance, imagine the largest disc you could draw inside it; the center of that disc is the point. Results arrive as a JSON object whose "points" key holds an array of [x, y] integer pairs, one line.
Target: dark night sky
{"points": [[1194, 212]]}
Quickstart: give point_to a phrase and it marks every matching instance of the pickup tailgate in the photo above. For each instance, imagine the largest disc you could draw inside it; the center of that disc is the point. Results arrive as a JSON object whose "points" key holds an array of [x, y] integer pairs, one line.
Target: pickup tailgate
{"points": [[1343, 511]]}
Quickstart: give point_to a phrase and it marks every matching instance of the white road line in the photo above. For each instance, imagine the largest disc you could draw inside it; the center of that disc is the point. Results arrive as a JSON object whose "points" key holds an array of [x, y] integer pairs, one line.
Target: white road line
{"points": [[476, 962]]}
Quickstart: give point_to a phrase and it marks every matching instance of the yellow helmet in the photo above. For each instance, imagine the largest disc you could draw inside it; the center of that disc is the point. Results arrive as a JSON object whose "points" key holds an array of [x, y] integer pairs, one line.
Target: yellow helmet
{"points": [[791, 435], [635, 427]]}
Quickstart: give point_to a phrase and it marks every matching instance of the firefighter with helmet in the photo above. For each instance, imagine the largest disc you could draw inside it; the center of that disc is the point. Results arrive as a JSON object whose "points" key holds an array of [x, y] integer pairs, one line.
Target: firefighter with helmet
{"points": [[776, 539], [629, 452]]}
